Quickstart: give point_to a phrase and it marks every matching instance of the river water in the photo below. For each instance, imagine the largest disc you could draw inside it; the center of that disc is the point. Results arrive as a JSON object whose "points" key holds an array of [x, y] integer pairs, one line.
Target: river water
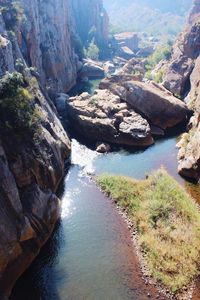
{"points": [[90, 255]]}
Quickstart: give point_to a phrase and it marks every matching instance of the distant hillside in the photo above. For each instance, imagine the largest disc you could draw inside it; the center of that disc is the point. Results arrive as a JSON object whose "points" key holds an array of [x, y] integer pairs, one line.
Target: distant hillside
{"points": [[158, 17]]}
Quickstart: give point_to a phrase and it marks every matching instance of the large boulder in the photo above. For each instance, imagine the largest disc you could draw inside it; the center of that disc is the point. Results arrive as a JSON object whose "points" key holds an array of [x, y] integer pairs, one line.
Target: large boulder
{"points": [[156, 104], [91, 69], [105, 117], [128, 39], [149, 99]]}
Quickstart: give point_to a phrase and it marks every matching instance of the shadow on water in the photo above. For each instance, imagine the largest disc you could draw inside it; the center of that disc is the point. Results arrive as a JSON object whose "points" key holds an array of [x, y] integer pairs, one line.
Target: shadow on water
{"points": [[39, 281], [90, 254]]}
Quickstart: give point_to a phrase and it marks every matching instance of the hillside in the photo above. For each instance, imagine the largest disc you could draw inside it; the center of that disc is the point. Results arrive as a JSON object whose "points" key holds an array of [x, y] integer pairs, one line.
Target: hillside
{"points": [[154, 17]]}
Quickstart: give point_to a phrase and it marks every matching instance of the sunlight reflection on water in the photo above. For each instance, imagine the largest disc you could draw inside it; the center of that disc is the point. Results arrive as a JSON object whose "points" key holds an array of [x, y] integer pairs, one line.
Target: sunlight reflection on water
{"points": [[83, 157]]}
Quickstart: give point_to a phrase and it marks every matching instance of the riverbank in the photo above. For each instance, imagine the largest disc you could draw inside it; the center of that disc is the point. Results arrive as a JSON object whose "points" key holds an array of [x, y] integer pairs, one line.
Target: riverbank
{"points": [[164, 221]]}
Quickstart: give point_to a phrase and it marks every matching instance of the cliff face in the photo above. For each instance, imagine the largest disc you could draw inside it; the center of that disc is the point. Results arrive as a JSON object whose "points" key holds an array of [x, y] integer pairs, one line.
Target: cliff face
{"points": [[183, 75], [33, 165], [31, 169], [91, 19], [45, 40], [185, 52], [189, 146], [46, 37]]}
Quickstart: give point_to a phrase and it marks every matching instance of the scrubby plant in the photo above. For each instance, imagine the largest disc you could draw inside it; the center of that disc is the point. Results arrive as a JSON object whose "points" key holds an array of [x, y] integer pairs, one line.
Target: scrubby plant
{"points": [[92, 51], [162, 52], [159, 76], [16, 103]]}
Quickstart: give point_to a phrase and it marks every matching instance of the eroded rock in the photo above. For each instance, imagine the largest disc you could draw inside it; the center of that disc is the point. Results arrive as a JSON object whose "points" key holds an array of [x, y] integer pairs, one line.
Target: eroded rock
{"points": [[105, 117]]}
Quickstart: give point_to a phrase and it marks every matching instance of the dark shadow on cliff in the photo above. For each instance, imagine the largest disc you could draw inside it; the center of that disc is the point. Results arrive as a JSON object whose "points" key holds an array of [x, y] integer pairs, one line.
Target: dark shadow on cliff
{"points": [[39, 282]]}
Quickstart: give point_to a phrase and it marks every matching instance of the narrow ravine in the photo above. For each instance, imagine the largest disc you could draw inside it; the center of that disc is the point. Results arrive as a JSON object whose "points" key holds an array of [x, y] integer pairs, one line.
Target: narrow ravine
{"points": [[90, 255]]}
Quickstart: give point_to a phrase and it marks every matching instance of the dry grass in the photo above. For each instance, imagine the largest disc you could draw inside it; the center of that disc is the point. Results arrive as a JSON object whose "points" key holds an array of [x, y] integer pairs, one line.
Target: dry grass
{"points": [[168, 224]]}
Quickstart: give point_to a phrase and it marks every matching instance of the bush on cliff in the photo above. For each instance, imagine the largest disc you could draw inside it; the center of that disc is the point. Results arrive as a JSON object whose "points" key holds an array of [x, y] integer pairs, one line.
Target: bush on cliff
{"points": [[16, 103], [92, 51], [167, 222]]}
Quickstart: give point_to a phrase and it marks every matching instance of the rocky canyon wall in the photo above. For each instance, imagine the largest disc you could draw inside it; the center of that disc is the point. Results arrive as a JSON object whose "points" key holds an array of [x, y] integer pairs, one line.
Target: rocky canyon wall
{"points": [[47, 34], [91, 18], [182, 76], [32, 165]]}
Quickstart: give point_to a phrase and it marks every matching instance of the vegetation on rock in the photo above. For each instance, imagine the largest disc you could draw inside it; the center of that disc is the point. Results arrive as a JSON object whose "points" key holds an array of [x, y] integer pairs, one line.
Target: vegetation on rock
{"points": [[17, 111], [167, 222], [92, 51]]}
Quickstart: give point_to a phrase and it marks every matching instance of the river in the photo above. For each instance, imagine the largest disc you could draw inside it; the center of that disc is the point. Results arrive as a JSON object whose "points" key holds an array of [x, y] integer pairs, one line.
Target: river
{"points": [[90, 254]]}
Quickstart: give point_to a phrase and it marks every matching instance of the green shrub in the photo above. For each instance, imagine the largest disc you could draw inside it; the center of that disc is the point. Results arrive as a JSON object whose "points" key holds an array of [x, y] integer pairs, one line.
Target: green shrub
{"points": [[16, 103], [159, 76], [162, 52], [92, 51]]}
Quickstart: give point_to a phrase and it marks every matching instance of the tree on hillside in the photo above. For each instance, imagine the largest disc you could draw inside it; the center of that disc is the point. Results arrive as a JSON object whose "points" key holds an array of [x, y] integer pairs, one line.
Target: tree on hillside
{"points": [[92, 51]]}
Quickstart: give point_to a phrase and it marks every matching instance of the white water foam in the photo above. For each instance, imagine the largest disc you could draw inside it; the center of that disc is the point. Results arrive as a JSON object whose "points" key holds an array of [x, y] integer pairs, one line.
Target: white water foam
{"points": [[84, 158]]}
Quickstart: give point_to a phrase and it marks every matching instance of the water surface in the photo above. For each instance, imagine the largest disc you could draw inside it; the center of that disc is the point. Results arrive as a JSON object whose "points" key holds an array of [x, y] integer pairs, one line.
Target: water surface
{"points": [[90, 255]]}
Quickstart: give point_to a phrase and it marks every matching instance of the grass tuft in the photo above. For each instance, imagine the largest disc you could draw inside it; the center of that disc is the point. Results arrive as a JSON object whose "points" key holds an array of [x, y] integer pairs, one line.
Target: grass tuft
{"points": [[168, 224]]}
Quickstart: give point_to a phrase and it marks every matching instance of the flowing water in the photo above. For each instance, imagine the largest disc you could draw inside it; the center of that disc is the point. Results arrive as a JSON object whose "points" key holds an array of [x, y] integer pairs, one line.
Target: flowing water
{"points": [[90, 254]]}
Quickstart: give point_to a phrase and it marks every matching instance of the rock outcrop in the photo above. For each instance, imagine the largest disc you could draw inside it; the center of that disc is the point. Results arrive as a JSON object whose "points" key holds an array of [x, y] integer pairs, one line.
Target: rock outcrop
{"points": [[126, 111], [91, 70], [149, 99], [185, 52], [126, 44], [91, 18], [32, 165], [105, 117], [182, 76], [189, 145], [43, 39]]}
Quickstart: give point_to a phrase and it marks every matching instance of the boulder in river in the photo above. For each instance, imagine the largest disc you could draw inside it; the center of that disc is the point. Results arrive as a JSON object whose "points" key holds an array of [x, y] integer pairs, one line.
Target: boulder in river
{"points": [[102, 147], [151, 100], [105, 117]]}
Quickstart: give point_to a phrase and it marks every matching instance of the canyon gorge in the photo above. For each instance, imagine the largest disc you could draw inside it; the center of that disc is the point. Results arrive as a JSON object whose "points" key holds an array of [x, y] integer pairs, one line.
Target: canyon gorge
{"points": [[46, 42]]}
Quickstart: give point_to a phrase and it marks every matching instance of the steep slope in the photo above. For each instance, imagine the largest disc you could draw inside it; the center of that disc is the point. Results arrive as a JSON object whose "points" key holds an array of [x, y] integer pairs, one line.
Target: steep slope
{"points": [[32, 165], [91, 19], [154, 17], [49, 33], [45, 41], [182, 76]]}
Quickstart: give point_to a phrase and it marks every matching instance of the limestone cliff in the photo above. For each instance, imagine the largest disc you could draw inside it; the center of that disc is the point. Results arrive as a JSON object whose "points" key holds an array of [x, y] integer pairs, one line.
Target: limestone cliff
{"points": [[182, 76]]}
